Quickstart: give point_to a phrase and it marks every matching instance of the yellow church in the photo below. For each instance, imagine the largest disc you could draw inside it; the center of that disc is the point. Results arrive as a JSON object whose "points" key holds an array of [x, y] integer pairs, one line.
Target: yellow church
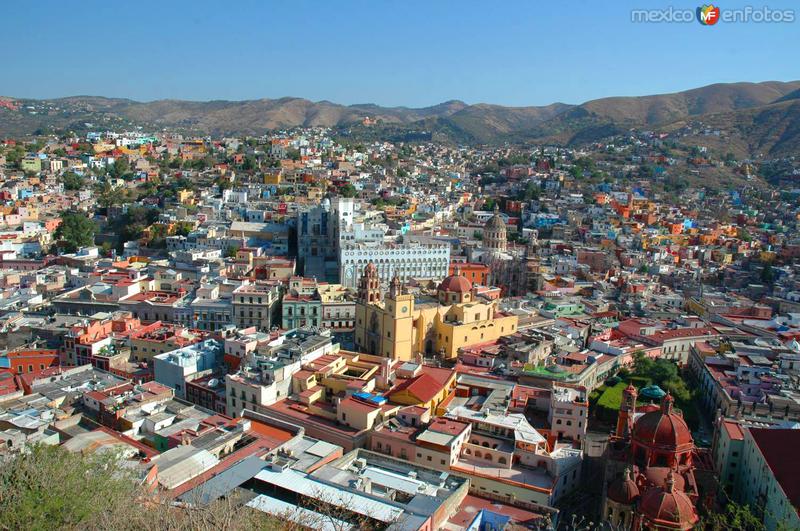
{"points": [[401, 326]]}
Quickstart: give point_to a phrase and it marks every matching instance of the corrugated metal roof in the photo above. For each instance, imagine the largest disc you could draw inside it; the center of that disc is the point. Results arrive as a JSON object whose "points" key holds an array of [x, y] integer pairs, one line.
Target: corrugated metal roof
{"points": [[224, 482], [302, 484], [299, 515], [183, 463]]}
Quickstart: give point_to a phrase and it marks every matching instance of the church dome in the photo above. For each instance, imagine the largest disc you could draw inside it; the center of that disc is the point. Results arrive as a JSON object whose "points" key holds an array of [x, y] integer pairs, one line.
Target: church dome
{"points": [[668, 508], [494, 233], [657, 476], [663, 428], [495, 223], [624, 489], [455, 284]]}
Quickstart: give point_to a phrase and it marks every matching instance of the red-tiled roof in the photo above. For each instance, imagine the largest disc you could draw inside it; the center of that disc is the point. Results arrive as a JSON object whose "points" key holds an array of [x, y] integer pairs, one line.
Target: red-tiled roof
{"points": [[734, 430], [424, 387], [679, 333]]}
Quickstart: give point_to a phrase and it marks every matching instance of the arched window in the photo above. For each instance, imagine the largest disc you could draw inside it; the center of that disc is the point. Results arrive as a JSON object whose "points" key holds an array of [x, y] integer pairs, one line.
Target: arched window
{"points": [[502, 460]]}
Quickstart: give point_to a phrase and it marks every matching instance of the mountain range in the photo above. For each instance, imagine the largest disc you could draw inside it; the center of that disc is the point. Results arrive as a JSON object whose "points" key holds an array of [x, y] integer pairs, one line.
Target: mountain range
{"points": [[759, 118]]}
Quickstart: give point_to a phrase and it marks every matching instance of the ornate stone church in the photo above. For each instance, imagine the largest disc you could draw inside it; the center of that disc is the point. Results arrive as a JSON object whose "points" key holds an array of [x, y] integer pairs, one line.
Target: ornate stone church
{"points": [[402, 326], [654, 476]]}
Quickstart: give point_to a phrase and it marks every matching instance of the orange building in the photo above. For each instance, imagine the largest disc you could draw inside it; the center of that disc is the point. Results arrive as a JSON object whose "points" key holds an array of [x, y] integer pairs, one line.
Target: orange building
{"points": [[474, 272], [26, 361]]}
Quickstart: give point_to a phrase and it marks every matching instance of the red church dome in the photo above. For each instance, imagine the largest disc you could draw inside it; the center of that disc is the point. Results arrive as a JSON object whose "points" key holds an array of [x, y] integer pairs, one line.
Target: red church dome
{"points": [[663, 428], [668, 508], [455, 284], [624, 489], [657, 476]]}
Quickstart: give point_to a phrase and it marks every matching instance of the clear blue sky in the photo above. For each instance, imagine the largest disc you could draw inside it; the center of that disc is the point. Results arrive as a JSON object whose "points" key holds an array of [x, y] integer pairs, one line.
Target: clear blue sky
{"points": [[388, 52]]}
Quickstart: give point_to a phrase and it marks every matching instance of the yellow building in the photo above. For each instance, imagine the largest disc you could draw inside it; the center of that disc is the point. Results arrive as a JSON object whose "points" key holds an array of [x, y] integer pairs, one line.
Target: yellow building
{"points": [[402, 326], [185, 197], [273, 177], [424, 386]]}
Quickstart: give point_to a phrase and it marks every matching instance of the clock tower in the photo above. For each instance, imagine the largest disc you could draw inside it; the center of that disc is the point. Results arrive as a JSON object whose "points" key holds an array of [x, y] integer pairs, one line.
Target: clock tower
{"points": [[398, 338]]}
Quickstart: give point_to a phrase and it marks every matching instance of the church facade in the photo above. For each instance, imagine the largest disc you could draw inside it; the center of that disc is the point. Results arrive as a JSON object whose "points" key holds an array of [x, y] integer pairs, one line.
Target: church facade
{"points": [[653, 469], [401, 326]]}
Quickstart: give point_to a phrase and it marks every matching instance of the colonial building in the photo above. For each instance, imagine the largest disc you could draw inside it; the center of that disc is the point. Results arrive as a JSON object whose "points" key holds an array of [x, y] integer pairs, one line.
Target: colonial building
{"points": [[401, 326], [494, 234], [256, 305], [429, 261], [651, 466]]}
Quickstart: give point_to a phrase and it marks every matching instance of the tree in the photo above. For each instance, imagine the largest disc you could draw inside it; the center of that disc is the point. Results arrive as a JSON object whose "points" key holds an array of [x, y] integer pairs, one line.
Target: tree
{"points": [[768, 275], [120, 167], [231, 251], [734, 516], [105, 249], [249, 163], [75, 231], [530, 192], [107, 195], [348, 190], [642, 364], [183, 228], [50, 488], [663, 371], [158, 236], [131, 225], [72, 181], [677, 388]]}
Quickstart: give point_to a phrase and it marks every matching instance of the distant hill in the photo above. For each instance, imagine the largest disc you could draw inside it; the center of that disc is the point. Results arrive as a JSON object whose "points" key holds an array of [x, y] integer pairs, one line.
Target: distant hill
{"points": [[757, 110]]}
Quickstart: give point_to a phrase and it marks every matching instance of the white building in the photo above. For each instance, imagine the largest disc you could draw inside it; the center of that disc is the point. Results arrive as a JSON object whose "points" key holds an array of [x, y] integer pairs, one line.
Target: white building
{"points": [[405, 260], [265, 376], [174, 367]]}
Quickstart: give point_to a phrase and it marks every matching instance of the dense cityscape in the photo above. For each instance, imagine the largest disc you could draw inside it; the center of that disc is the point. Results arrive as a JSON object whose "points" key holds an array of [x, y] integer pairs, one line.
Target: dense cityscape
{"points": [[380, 266], [406, 335]]}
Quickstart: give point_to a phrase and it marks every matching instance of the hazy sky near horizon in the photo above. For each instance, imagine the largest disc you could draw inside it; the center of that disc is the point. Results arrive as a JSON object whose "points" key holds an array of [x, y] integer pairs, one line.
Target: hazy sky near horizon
{"points": [[408, 53]]}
